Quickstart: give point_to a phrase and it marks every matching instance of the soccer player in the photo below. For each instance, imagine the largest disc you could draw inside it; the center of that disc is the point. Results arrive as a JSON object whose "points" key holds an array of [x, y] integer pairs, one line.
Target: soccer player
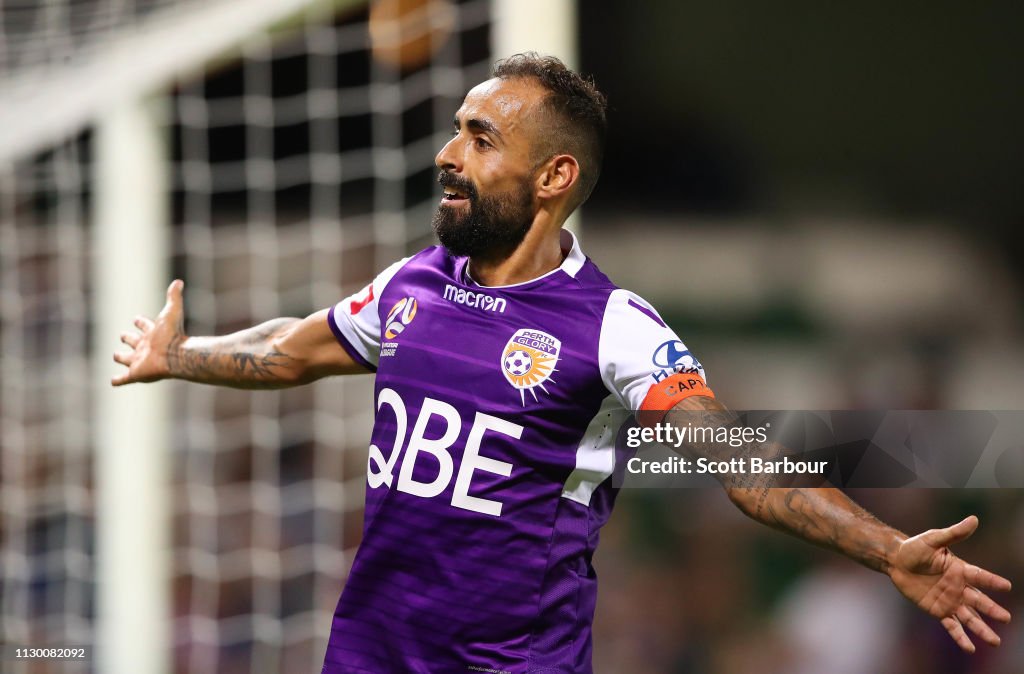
{"points": [[505, 364]]}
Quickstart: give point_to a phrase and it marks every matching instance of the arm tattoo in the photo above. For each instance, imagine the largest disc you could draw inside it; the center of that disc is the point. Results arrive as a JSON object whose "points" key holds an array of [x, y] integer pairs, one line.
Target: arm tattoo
{"points": [[807, 509], [245, 359], [827, 517], [261, 366]]}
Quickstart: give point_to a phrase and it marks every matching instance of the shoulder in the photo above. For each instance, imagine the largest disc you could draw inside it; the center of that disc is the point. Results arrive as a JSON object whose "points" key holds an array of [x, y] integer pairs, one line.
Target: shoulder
{"points": [[433, 259], [613, 304], [588, 275], [627, 308]]}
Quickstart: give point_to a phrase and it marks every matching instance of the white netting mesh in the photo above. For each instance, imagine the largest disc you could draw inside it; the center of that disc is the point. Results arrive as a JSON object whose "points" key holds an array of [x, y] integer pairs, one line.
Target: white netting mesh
{"points": [[46, 527], [299, 170]]}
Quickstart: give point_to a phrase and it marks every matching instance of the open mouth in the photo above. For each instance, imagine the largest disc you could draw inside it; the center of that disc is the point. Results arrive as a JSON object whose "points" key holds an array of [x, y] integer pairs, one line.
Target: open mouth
{"points": [[452, 195]]}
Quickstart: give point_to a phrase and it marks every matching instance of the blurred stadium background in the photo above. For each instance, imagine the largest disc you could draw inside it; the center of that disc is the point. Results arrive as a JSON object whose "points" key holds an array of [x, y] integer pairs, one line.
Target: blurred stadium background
{"points": [[823, 201]]}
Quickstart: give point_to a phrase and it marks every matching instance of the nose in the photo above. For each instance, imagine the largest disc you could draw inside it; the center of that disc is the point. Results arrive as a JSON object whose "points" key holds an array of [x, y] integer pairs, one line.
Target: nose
{"points": [[447, 157]]}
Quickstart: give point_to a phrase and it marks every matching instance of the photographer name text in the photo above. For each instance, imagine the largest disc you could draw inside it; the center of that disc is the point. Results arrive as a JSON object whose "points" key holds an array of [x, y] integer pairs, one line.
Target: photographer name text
{"points": [[678, 465]]}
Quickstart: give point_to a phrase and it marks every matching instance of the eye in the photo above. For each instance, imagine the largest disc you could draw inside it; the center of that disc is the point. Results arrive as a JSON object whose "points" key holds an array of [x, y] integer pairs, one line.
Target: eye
{"points": [[482, 144]]}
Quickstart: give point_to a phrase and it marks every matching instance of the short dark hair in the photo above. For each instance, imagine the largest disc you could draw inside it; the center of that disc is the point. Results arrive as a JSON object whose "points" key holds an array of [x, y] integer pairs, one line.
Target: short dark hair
{"points": [[577, 112]]}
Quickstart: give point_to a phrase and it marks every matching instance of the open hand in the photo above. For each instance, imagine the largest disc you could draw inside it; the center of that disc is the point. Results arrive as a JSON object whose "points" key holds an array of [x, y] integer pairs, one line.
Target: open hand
{"points": [[148, 359], [948, 588]]}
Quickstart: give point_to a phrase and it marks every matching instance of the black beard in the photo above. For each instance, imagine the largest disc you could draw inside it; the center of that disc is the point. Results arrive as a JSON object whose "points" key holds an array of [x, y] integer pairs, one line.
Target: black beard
{"points": [[493, 227]]}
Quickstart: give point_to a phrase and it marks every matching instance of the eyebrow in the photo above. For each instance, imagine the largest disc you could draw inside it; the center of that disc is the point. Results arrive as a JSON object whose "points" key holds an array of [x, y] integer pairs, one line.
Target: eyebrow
{"points": [[477, 125]]}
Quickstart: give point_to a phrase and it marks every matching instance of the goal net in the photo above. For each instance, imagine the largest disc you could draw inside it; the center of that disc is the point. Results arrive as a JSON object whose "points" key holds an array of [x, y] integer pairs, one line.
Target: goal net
{"points": [[299, 162]]}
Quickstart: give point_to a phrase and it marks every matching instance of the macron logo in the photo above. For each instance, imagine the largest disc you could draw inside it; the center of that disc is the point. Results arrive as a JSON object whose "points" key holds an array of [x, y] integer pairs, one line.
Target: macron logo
{"points": [[472, 299]]}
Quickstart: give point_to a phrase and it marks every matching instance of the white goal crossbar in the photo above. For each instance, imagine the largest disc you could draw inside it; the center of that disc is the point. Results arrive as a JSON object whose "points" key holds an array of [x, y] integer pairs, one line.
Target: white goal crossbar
{"points": [[36, 112]]}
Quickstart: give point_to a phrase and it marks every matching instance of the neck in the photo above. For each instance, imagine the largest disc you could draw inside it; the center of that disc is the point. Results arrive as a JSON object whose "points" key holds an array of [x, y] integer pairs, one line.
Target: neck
{"points": [[539, 253]]}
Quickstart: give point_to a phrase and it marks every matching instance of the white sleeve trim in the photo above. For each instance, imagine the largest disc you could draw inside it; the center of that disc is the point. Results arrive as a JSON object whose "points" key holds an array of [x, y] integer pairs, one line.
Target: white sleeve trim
{"points": [[361, 330]]}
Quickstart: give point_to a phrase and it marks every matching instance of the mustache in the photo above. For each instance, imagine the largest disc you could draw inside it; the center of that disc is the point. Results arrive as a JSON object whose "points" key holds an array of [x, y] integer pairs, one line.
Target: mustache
{"points": [[455, 181]]}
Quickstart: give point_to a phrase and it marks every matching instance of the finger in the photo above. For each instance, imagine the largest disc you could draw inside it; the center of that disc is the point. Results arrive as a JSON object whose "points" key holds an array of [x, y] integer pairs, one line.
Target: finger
{"points": [[940, 538], [131, 338], [979, 577], [122, 379], [956, 631], [984, 605], [967, 616], [175, 303], [174, 291], [143, 324], [125, 358]]}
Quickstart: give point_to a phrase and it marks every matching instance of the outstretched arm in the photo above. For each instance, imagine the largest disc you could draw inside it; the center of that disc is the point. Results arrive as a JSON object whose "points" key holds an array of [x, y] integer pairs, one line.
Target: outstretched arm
{"points": [[922, 567], [281, 352]]}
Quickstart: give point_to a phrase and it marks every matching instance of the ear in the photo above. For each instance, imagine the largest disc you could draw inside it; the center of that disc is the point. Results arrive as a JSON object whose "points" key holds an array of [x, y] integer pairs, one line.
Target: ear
{"points": [[558, 176]]}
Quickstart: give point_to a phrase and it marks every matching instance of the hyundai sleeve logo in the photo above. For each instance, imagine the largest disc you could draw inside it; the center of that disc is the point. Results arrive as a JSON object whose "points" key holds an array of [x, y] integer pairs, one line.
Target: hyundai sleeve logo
{"points": [[670, 353]]}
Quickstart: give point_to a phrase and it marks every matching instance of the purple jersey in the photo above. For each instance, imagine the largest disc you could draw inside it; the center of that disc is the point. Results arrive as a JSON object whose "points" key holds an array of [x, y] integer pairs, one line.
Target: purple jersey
{"points": [[487, 481]]}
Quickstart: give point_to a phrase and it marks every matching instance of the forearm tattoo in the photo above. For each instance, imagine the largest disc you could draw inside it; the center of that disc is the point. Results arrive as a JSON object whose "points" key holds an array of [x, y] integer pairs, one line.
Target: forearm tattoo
{"points": [[799, 505], [831, 519], [244, 359]]}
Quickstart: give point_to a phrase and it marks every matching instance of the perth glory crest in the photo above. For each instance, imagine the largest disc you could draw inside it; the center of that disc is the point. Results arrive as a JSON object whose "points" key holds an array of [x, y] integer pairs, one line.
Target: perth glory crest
{"points": [[528, 360]]}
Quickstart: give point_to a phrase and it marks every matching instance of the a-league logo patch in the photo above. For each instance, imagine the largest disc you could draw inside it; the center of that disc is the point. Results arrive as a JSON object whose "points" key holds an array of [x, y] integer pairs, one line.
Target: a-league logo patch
{"points": [[528, 360], [400, 316]]}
